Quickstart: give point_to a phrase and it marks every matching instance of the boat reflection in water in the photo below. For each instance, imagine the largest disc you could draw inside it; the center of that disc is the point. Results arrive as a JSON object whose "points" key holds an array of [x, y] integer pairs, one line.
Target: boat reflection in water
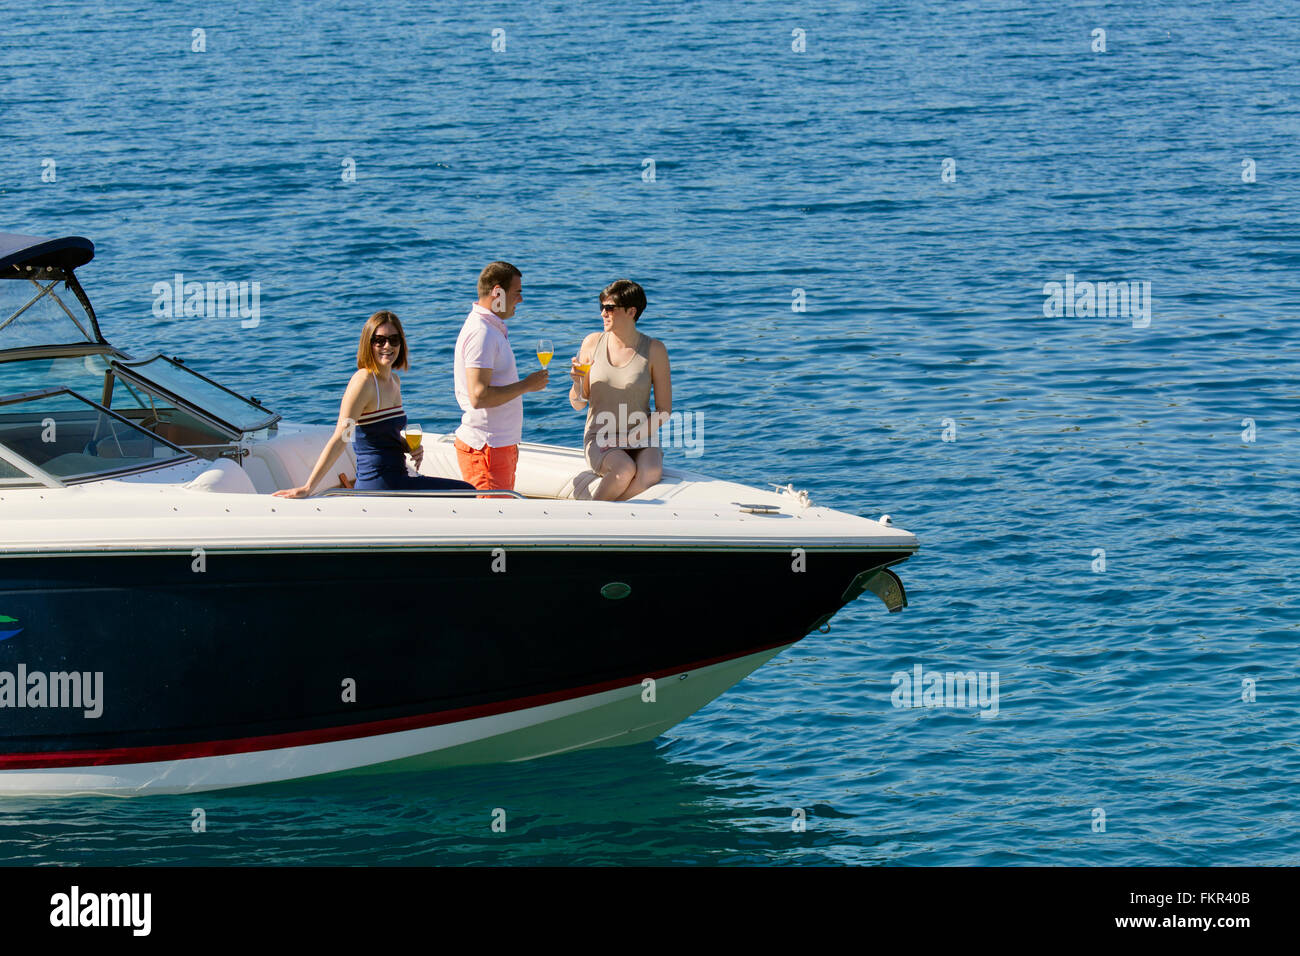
{"points": [[166, 625]]}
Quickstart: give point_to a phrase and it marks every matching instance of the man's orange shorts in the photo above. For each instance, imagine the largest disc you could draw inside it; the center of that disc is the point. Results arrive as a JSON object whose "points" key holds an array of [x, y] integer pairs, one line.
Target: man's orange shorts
{"points": [[488, 467]]}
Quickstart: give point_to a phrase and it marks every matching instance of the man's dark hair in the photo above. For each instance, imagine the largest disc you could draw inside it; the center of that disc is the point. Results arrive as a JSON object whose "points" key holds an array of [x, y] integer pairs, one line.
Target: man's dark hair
{"points": [[496, 274]]}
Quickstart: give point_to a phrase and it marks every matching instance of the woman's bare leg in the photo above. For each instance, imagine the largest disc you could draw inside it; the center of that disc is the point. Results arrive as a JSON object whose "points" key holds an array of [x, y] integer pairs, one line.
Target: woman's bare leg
{"points": [[616, 471], [649, 469]]}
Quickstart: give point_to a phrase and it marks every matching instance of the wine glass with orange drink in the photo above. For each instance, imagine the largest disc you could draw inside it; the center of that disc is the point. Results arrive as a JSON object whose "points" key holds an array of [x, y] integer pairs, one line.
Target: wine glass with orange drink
{"points": [[413, 434], [581, 366]]}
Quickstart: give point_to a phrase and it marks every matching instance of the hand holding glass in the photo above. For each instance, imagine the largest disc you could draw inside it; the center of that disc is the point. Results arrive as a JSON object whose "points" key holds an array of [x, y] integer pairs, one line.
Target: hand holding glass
{"points": [[578, 371]]}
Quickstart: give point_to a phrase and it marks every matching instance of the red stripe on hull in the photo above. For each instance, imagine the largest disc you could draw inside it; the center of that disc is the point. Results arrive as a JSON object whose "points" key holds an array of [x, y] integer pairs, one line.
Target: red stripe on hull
{"points": [[219, 748]]}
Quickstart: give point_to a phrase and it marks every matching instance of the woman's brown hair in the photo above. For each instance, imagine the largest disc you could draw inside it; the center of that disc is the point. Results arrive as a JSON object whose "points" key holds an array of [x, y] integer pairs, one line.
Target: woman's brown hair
{"points": [[365, 351]]}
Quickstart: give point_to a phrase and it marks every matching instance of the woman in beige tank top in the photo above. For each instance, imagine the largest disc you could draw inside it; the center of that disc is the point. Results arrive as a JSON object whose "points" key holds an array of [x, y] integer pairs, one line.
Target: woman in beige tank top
{"points": [[622, 366]]}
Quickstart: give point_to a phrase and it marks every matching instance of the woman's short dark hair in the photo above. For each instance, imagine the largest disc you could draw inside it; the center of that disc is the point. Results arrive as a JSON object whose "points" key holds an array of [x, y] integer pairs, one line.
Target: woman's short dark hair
{"points": [[366, 354], [626, 295]]}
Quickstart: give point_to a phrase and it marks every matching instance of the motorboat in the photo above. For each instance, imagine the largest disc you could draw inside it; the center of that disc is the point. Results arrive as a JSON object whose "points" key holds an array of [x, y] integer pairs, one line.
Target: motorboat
{"points": [[167, 625]]}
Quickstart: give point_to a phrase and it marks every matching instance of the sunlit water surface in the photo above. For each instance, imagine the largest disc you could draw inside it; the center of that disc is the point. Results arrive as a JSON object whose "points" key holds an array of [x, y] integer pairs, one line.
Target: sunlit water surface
{"points": [[1120, 690]]}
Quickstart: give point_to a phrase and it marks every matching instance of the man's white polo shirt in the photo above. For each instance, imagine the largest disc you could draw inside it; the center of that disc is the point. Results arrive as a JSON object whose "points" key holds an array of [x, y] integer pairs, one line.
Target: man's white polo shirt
{"points": [[484, 343]]}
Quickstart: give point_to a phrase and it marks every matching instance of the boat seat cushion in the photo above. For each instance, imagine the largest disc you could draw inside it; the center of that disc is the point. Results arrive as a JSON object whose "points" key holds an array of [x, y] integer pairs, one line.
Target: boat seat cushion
{"points": [[289, 457], [581, 485], [542, 472], [223, 477]]}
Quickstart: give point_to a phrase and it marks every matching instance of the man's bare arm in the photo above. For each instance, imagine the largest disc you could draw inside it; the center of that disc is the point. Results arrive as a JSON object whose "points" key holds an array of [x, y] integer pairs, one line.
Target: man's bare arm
{"points": [[483, 394]]}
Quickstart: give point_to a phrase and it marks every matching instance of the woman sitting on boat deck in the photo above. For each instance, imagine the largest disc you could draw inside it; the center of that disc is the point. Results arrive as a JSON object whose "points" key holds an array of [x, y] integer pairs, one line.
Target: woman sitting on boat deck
{"points": [[612, 379], [372, 404]]}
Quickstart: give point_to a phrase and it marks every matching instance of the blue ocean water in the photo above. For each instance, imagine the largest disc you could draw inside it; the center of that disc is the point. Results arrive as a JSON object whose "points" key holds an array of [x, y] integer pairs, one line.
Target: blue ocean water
{"points": [[1168, 158]]}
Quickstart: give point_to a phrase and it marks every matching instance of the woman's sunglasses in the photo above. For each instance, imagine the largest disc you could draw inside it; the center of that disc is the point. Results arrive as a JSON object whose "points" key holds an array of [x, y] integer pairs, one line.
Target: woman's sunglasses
{"points": [[382, 340]]}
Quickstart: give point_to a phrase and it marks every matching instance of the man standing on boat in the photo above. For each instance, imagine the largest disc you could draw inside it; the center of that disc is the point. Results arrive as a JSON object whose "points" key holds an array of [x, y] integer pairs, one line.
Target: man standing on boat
{"points": [[488, 387]]}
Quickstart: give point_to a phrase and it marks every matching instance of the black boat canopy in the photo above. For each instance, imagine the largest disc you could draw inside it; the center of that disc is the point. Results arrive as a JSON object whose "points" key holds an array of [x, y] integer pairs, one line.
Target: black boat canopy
{"points": [[66, 253], [41, 303]]}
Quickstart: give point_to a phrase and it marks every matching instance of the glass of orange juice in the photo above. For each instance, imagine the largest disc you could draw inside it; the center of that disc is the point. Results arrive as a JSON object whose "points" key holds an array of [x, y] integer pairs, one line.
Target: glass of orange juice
{"points": [[581, 368], [545, 349], [414, 435]]}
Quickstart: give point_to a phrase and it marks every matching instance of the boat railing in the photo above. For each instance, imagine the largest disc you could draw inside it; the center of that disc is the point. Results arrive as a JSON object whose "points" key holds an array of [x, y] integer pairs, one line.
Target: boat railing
{"points": [[416, 493]]}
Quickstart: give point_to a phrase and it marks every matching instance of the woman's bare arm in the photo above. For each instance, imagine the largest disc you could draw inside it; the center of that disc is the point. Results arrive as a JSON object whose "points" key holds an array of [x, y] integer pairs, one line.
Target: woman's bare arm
{"points": [[351, 408], [661, 380]]}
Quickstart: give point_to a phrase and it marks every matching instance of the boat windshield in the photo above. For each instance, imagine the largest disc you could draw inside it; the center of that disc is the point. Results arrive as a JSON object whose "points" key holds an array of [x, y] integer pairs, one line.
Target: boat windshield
{"points": [[57, 434], [175, 403], [41, 309], [49, 340], [80, 373], [165, 376]]}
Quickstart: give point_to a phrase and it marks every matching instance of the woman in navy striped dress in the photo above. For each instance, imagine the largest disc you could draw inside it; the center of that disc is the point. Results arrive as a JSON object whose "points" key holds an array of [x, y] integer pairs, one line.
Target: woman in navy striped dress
{"points": [[372, 410]]}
